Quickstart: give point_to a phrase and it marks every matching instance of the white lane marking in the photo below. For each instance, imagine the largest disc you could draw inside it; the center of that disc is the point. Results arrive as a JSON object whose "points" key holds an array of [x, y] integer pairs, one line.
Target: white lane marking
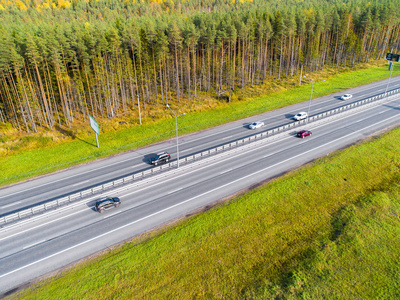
{"points": [[225, 171], [82, 182], [227, 137], [72, 176], [183, 202], [174, 191], [254, 149], [261, 146], [219, 132], [31, 228], [274, 142], [110, 215], [31, 245], [11, 204], [187, 149], [199, 168]]}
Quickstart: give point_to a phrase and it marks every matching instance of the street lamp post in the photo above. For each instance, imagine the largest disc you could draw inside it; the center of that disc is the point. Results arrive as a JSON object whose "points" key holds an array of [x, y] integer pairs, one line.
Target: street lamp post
{"points": [[312, 89], [309, 102], [176, 129], [387, 86]]}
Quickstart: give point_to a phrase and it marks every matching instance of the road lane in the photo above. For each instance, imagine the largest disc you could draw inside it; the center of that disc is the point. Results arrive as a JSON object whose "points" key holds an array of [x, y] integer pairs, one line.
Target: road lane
{"points": [[50, 187], [45, 243]]}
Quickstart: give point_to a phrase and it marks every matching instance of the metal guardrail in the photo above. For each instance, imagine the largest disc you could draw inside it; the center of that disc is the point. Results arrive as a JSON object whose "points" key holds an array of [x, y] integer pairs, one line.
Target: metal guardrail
{"points": [[188, 159]]}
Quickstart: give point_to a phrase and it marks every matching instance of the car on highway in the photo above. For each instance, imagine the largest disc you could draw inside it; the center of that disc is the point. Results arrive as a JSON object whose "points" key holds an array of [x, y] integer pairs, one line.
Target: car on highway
{"points": [[346, 97], [162, 157], [304, 133], [107, 204], [300, 116], [256, 125]]}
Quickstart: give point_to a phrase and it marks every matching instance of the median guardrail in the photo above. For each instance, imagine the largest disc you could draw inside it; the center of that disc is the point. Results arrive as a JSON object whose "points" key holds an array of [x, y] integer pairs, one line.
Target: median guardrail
{"points": [[185, 160]]}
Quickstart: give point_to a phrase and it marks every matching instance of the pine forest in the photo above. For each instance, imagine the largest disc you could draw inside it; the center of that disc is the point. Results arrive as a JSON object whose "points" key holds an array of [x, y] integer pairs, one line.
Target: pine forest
{"points": [[61, 61]]}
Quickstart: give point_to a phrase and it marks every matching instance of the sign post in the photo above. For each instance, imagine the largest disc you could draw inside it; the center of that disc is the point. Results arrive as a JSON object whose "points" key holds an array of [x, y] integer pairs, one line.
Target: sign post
{"points": [[95, 127], [391, 57]]}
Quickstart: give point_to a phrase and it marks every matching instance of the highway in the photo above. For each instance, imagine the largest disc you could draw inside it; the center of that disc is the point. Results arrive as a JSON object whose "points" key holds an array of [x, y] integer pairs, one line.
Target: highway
{"points": [[63, 183], [44, 243]]}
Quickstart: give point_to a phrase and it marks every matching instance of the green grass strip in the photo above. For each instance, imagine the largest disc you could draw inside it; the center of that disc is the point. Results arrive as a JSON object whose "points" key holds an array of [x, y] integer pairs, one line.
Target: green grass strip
{"points": [[26, 164], [327, 230]]}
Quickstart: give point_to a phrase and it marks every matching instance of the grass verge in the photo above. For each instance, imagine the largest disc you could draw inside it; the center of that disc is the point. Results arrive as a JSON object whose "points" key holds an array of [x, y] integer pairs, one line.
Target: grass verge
{"points": [[36, 155], [327, 230]]}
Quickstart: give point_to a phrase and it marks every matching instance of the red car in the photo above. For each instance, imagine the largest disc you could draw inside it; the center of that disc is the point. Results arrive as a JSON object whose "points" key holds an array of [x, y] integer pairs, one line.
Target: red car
{"points": [[304, 133]]}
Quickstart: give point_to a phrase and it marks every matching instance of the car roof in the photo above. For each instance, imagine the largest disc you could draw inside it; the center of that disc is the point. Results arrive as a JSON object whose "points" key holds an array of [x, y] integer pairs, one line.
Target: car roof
{"points": [[112, 198], [301, 113], [104, 201]]}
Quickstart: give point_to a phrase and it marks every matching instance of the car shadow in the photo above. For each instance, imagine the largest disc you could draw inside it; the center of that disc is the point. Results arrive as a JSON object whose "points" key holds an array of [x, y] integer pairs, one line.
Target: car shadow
{"points": [[92, 204], [294, 133], [147, 158], [338, 98], [289, 116], [246, 125]]}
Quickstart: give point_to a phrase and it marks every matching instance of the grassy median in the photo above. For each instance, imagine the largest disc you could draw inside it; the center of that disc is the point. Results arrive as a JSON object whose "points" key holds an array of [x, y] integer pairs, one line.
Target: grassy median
{"points": [[31, 155], [326, 231]]}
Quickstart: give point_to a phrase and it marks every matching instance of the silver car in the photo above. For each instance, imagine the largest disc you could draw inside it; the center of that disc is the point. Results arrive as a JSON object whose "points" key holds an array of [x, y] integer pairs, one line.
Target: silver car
{"points": [[256, 125], [346, 97], [300, 116]]}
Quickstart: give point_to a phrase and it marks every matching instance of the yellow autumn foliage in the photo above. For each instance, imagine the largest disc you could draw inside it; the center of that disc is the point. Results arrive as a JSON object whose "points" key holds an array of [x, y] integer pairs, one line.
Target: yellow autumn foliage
{"points": [[64, 4], [21, 5]]}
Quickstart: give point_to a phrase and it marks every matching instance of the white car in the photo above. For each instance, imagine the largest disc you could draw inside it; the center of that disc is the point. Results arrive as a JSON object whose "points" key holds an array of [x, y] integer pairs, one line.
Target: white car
{"points": [[300, 116], [256, 125], [346, 97]]}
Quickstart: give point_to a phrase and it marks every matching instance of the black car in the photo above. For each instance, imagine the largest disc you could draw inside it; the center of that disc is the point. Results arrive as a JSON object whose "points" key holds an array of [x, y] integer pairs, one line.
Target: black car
{"points": [[160, 158], [107, 204]]}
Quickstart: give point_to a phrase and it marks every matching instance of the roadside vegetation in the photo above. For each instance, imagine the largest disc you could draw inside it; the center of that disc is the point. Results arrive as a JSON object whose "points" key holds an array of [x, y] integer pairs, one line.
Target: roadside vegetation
{"points": [[123, 61], [62, 60], [25, 156], [328, 230]]}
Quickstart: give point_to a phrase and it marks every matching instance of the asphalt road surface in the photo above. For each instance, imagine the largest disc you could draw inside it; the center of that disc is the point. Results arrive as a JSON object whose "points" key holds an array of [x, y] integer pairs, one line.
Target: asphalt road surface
{"points": [[44, 243]]}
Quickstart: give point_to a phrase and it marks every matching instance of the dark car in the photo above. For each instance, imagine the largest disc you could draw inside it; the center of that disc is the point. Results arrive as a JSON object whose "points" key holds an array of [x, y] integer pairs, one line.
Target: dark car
{"points": [[304, 133], [107, 204], [160, 158]]}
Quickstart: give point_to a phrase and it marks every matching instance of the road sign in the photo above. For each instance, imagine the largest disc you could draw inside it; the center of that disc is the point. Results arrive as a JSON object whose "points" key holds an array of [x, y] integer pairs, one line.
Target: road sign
{"points": [[94, 125], [392, 57]]}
